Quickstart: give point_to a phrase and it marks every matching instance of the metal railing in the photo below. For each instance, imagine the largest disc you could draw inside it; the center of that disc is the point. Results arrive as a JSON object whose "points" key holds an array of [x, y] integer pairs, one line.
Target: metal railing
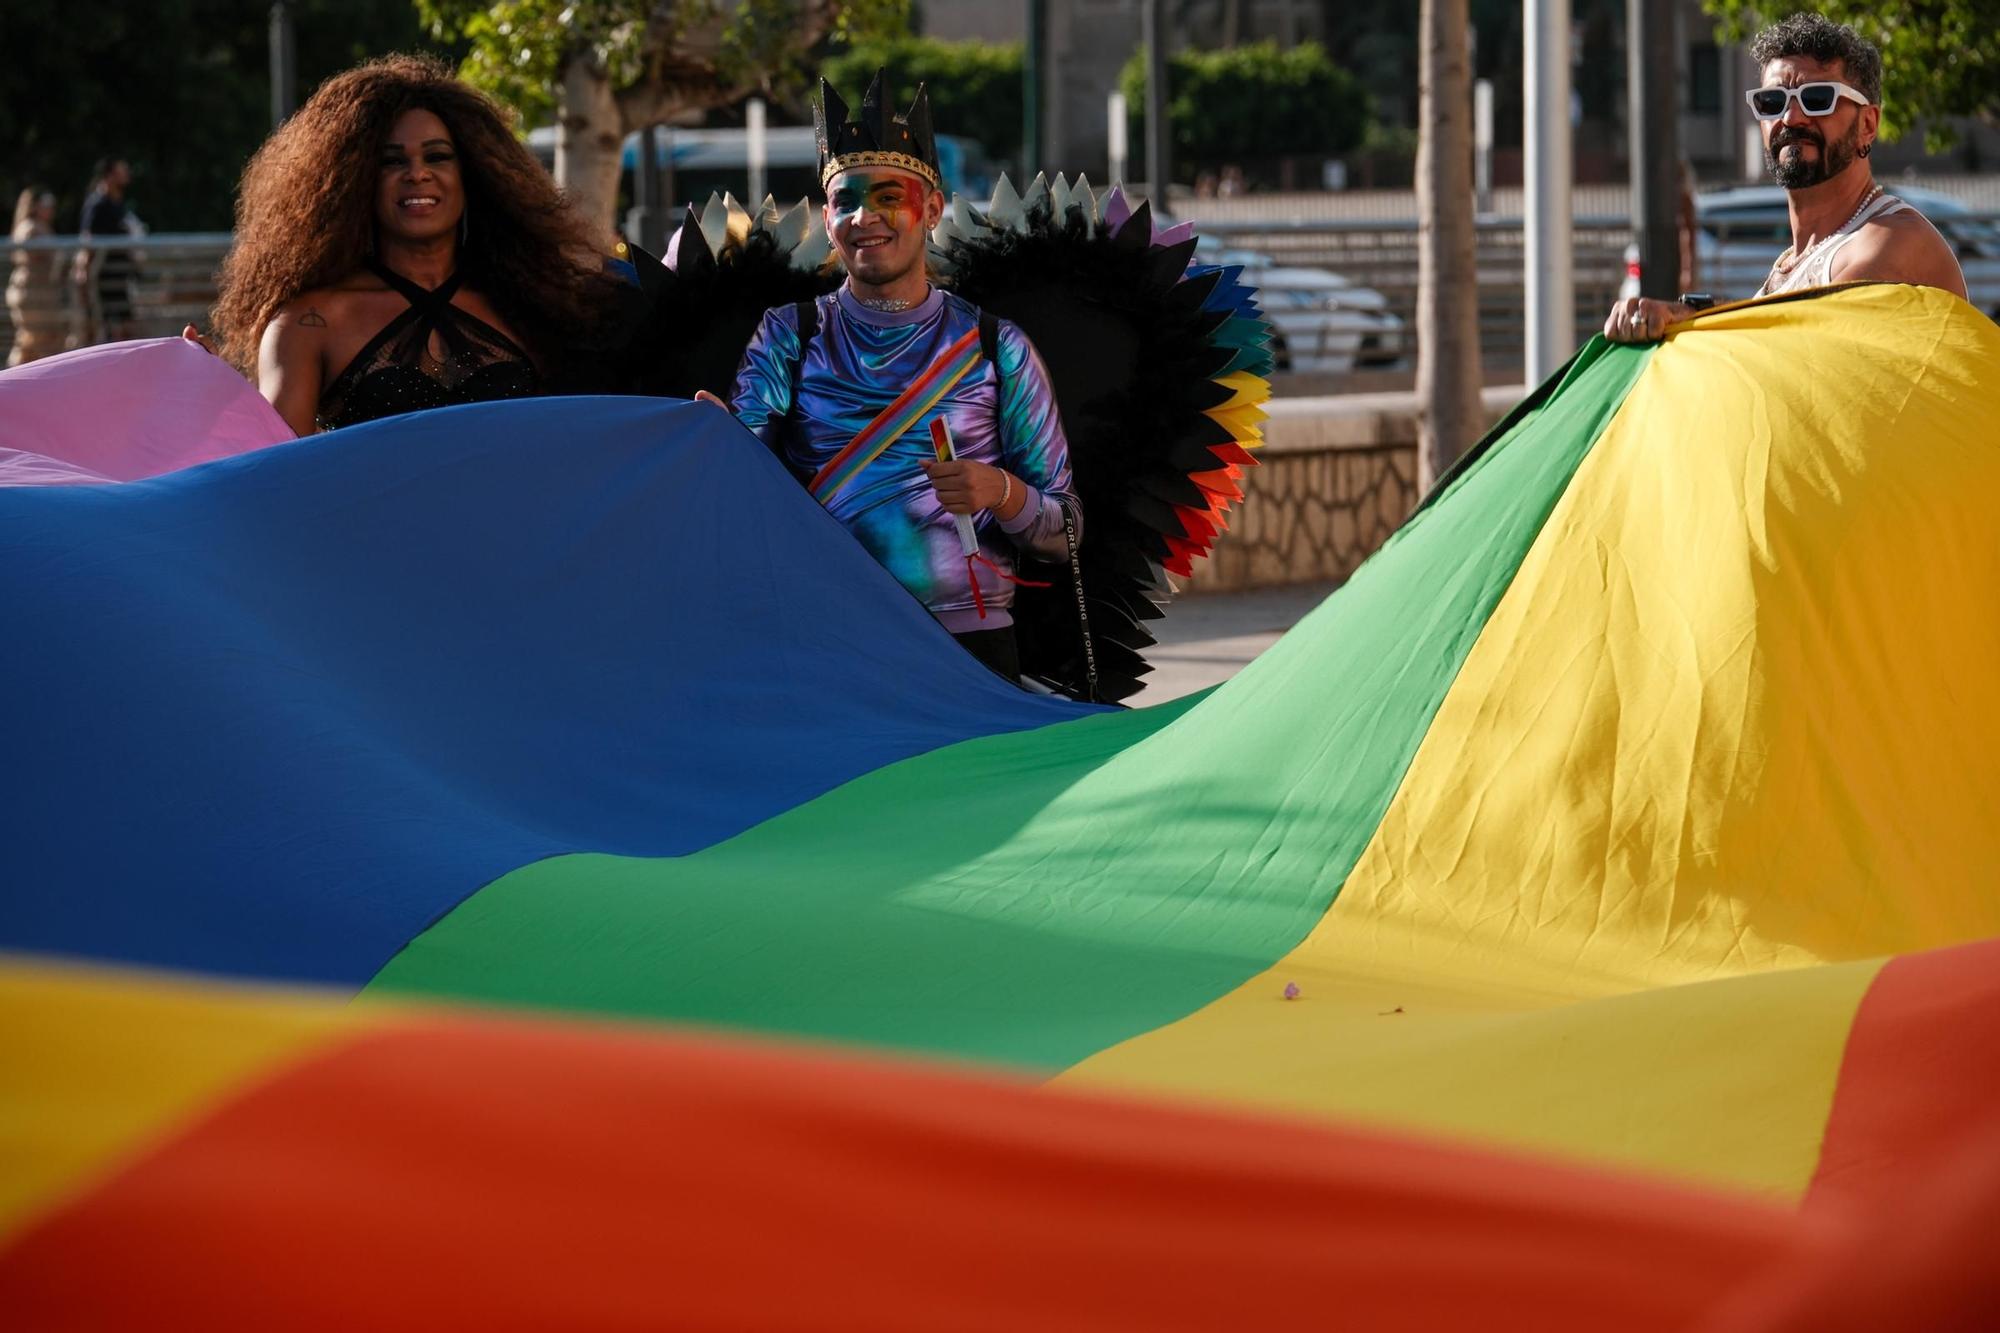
{"points": [[1383, 255], [58, 287], [1980, 193], [174, 274]]}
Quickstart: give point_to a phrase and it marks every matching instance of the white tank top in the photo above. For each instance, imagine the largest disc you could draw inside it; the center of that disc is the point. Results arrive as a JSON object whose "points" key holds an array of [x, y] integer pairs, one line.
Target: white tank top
{"points": [[1815, 268]]}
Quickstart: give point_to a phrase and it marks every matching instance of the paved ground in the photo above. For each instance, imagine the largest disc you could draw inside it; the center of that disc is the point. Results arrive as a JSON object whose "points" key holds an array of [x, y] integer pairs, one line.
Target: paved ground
{"points": [[1205, 640]]}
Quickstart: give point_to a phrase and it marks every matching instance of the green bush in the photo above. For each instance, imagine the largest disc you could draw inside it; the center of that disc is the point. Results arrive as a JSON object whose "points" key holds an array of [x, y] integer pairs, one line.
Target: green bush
{"points": [[1252, 104], [975, 87]]}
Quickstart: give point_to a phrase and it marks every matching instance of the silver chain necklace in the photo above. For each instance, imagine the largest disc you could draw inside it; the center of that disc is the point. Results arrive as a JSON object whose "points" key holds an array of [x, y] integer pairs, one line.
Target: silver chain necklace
{"points": [[888, 305], [1841, 230]]}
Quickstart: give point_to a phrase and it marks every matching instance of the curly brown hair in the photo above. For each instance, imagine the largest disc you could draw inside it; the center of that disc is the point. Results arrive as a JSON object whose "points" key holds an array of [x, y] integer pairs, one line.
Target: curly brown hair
{"points": [[1819, 38], [305, 212]]}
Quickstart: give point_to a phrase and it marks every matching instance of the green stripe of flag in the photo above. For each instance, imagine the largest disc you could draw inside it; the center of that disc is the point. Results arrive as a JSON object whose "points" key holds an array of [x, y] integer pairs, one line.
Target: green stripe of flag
{"points": [[1037, 897]]}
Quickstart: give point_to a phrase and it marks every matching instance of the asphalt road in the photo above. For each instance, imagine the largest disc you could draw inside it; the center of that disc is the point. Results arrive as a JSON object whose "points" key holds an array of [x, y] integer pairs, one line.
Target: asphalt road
{"points": [[1207, 638]]}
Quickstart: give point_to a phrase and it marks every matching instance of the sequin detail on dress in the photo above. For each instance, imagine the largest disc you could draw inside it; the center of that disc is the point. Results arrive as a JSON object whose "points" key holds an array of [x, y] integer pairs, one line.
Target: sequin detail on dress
{"points": [[396, 372]]}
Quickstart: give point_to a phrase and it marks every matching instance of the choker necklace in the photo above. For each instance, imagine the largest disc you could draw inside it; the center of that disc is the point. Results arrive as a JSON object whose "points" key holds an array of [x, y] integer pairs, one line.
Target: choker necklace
{"points": [[1841, 230], [886, 304]]}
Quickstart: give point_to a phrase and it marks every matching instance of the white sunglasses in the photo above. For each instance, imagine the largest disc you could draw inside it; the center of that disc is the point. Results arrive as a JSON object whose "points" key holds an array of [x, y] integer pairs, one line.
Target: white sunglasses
{"points": [[1815, 99]]}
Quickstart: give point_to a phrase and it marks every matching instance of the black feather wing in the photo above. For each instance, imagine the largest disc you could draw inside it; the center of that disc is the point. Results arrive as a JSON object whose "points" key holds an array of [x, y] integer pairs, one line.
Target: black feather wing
{"points": [[1158, 371]]}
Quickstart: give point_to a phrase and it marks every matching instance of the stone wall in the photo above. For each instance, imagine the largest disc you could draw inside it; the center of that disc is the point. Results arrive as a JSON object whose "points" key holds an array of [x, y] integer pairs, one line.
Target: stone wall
{"points": [[1336, 477]]}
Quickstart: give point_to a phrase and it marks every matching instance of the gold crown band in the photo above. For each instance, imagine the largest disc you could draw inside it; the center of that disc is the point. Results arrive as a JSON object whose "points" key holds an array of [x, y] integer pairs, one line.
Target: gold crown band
{"points": [[900, 161]]}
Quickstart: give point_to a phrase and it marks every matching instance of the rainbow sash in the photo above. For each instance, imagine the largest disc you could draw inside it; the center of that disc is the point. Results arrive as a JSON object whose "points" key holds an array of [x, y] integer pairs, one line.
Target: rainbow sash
{"points": [[923, 394]]}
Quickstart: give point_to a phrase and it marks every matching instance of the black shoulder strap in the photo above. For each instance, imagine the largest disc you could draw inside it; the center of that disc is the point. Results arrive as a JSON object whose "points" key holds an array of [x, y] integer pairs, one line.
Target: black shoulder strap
{"points": [[807, 313], [989, 339], [439, 295]]}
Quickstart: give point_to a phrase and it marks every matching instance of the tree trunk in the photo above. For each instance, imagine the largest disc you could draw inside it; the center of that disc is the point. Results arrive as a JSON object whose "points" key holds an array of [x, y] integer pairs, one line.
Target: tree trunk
{"points": [[1449, 418], [683, 57], [590, 134]]}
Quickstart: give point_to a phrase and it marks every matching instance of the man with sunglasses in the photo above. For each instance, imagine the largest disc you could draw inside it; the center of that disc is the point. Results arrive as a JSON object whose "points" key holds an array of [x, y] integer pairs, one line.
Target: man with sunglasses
{"points": [[1819, 109]]}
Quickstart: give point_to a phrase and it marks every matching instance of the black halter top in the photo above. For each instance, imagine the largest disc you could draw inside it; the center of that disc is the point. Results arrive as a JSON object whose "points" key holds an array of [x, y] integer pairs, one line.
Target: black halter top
{"points": [[396, 372]]}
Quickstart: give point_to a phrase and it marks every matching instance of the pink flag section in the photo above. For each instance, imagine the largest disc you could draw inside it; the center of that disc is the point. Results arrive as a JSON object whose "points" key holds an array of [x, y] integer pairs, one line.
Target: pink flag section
{"points": [[127, 411]]}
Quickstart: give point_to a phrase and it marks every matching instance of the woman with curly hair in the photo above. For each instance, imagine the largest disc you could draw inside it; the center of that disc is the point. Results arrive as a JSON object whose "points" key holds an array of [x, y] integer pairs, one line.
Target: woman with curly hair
{"points": [[397, 248]]}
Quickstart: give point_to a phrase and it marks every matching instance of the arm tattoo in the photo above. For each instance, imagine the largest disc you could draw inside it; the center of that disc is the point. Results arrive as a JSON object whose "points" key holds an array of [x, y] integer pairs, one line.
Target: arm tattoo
{"points": [[312, 319]]}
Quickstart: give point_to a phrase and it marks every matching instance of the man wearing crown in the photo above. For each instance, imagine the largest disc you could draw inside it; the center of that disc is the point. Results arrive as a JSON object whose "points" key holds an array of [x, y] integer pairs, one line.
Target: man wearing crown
{"points": [[925, 426]]}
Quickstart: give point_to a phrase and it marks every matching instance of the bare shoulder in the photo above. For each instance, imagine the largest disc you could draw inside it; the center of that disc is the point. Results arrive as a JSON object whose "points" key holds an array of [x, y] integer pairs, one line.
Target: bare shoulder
{"points": [[310, 313], [1901, 246], [304, 330]]}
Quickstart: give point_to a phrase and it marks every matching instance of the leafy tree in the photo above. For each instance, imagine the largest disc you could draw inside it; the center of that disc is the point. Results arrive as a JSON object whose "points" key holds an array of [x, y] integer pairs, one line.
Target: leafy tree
{"points": [[975, 86], [1940, 58], [1253, 102], [605, 68], [179, 88], [1377, 40]]}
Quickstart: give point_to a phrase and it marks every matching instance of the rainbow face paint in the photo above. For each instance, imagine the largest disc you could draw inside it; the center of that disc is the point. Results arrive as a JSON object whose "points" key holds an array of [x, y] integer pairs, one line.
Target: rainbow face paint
{"points": [[895, 197], [876, 221]]}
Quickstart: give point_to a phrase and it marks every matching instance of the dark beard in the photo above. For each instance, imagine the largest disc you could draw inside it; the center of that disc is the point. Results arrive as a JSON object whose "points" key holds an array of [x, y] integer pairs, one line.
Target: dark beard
{"points": [[1797, 173]]}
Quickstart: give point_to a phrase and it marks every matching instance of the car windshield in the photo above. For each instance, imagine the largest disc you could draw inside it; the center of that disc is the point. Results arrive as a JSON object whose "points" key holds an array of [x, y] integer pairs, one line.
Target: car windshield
{"points": [[1980, 238], [1747, 224], [1761, 223]]}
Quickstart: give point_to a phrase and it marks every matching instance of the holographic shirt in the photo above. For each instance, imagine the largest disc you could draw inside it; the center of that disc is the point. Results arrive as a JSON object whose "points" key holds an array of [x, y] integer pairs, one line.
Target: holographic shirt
{"points": [[856, 365]]}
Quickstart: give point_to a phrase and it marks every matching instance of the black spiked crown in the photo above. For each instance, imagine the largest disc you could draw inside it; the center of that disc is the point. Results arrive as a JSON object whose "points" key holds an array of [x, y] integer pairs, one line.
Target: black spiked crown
{"points": [[877, 137]]}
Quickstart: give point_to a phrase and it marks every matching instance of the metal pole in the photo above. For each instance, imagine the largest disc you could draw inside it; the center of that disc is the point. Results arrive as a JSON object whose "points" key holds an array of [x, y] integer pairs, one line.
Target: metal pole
{"points": [[642, 223], [1116, 121], [284, 64], [1653, 131], [756, 149], [1551, 335], [1153, 32], [670, 199], [1482, 146], [1034, 67]]}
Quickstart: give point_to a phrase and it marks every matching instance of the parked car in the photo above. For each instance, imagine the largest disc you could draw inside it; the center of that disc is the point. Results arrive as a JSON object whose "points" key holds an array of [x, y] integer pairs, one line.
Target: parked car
{"points": [[1743, 230], [1320, 321]]}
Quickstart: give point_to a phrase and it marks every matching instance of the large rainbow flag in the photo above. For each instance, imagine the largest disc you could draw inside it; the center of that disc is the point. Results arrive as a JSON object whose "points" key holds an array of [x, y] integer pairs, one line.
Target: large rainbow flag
{"points": [[1575, 922]]}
